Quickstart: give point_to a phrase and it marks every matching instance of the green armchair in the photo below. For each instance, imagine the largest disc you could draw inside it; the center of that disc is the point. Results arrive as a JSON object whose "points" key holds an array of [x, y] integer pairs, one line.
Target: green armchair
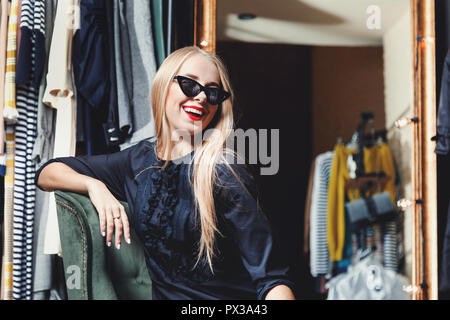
{"points": [[92, 270]]}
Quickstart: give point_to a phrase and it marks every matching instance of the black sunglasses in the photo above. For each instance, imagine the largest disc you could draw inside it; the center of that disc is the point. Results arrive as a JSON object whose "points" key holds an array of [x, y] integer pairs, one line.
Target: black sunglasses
{"points": [[192, 88]]}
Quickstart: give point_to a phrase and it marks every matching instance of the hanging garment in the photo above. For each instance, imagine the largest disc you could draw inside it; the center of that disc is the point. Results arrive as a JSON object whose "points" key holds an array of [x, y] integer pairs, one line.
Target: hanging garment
{"points": [[307, 214], [124, 87], [33, 38], [44, 144], [19, 31], [443, 116], [135, 115], [169, 19], [111, 129], [378, 156], [43, 264], [180, 24], [10, 115], [367, 280], [158, 30], [183, 20], [347, 251], [374, 241], [390, 245], [7, 261], [2, 204], [91, 67], [444, 276], [31, 53], [60, 94], [442, 148], [319, 256], [3, 43], [336, 202]]}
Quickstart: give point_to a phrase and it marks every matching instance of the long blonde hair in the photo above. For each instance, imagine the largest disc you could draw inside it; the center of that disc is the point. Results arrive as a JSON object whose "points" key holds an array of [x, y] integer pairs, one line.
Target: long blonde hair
{"points": [[211, 151]]}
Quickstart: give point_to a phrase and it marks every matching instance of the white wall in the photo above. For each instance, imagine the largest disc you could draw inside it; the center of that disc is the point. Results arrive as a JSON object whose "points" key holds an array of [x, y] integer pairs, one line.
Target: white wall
{"points": [[398, 80]]}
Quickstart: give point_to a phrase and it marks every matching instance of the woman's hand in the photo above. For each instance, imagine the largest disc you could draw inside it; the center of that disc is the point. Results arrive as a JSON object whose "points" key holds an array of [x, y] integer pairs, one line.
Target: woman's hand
{"points": [[111, 213], [280, 292], [59, 176]]}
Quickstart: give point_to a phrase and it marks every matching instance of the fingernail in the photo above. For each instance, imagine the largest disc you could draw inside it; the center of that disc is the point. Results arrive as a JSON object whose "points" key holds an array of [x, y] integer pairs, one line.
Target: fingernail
{"points": [[129, 241], [118, 246], [103, 234], [109, 244]]}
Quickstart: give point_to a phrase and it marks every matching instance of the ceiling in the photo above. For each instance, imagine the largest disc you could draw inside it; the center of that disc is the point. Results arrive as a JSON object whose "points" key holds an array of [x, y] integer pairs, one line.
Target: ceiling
{"points": [[307, 22]]}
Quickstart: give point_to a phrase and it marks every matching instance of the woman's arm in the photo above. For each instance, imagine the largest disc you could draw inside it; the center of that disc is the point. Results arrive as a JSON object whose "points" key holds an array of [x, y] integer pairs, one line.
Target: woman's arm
{"points": [[104, 178], [59, 176], [239, 205], [280, 292]]}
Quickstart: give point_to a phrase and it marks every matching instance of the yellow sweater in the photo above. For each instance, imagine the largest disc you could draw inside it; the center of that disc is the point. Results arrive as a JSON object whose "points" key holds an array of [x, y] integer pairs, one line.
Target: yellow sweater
{"points": [[336, 201], [379, 158], [376, 156]]}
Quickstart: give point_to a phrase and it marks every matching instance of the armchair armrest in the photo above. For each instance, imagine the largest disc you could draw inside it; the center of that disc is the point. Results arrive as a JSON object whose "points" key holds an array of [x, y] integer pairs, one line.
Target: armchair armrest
{"points": [[92, 270]]}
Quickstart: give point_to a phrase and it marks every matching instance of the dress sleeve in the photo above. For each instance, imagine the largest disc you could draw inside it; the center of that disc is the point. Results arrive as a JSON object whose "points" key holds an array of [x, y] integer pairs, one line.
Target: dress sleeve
{"points": [[250, 229], [111, 169]]}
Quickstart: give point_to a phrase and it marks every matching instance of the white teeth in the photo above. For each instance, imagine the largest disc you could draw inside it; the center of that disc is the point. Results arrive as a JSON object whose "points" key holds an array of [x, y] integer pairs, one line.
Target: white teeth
{"points": [[193, 111]]}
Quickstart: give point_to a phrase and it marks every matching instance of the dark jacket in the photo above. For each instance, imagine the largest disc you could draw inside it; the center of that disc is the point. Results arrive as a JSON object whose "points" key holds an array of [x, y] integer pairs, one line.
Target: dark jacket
{"points": [[443, 116]]}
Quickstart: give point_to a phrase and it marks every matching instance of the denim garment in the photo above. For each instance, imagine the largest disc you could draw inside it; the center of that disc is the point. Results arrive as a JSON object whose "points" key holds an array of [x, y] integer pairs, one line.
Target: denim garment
{"points": [[443, 116], [91, 68], [247, 264]]}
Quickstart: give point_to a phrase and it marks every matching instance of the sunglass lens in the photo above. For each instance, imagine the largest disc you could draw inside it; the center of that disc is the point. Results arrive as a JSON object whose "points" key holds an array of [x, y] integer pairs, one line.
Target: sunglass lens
{"points": [[213, 96], [189, 87]]}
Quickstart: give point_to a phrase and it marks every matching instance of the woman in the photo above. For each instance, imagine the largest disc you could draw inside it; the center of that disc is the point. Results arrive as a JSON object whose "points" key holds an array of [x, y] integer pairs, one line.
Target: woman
{"points": [[204, 235]]}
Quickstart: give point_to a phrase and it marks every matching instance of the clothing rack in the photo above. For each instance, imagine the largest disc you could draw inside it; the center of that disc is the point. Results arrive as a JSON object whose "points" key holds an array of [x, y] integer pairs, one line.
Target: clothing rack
{"points": [[330, 178]]}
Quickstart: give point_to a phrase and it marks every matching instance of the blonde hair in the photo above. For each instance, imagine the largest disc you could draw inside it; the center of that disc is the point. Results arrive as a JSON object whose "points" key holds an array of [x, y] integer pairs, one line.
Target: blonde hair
{"points": [[211, 151]]}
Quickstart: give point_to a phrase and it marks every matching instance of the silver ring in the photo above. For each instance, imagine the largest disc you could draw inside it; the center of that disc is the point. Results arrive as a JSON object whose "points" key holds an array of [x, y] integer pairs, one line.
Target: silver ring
{"points": [[117, 217]]}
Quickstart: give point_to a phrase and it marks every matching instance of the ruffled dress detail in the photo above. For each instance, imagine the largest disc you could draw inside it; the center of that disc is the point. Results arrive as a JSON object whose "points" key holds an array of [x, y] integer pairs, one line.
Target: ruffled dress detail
{"points": [[177, 257]]}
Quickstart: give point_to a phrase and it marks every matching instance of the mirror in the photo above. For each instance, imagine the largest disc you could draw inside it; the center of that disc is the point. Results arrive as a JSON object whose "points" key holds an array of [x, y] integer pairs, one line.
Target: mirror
{"points": [[339, 77]]}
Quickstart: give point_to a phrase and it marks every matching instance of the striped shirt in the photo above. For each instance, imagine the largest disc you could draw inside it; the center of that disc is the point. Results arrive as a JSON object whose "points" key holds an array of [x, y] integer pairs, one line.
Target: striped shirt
{"points": [[319, 255], [390, 246], [32, 39], [32, 50]]}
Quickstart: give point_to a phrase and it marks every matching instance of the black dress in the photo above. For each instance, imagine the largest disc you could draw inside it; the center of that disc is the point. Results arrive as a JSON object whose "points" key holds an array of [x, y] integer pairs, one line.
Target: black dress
{"points": [[162, 204]]}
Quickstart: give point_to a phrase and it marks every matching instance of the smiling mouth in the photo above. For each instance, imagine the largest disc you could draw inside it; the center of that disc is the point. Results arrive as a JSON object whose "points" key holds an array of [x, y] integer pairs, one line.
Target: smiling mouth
{"points": [[194, 113]]}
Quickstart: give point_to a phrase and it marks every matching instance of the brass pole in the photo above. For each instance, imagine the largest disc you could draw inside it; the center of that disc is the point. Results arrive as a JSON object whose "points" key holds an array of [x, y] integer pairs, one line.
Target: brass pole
{"points": [[205, 25], [428, 102], [425, 270], [415, 178]]}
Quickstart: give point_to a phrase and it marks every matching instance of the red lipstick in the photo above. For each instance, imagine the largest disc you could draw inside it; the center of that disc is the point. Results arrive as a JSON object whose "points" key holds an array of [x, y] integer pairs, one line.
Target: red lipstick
{"points": [[192, 114]]}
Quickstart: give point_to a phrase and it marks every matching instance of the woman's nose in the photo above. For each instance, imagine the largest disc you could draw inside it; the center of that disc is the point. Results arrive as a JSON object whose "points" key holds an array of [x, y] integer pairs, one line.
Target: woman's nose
{"points": [[201, 97]]}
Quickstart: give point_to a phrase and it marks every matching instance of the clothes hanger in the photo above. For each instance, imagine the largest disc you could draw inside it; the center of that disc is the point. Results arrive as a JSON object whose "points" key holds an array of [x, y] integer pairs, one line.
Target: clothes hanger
{"points": [[366, 116], [365, 253], [380, 141], [353, 144]]}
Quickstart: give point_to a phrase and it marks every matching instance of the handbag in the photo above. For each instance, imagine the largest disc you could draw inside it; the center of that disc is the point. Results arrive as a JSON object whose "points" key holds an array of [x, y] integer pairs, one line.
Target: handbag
{"points": [[368, 211]]}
